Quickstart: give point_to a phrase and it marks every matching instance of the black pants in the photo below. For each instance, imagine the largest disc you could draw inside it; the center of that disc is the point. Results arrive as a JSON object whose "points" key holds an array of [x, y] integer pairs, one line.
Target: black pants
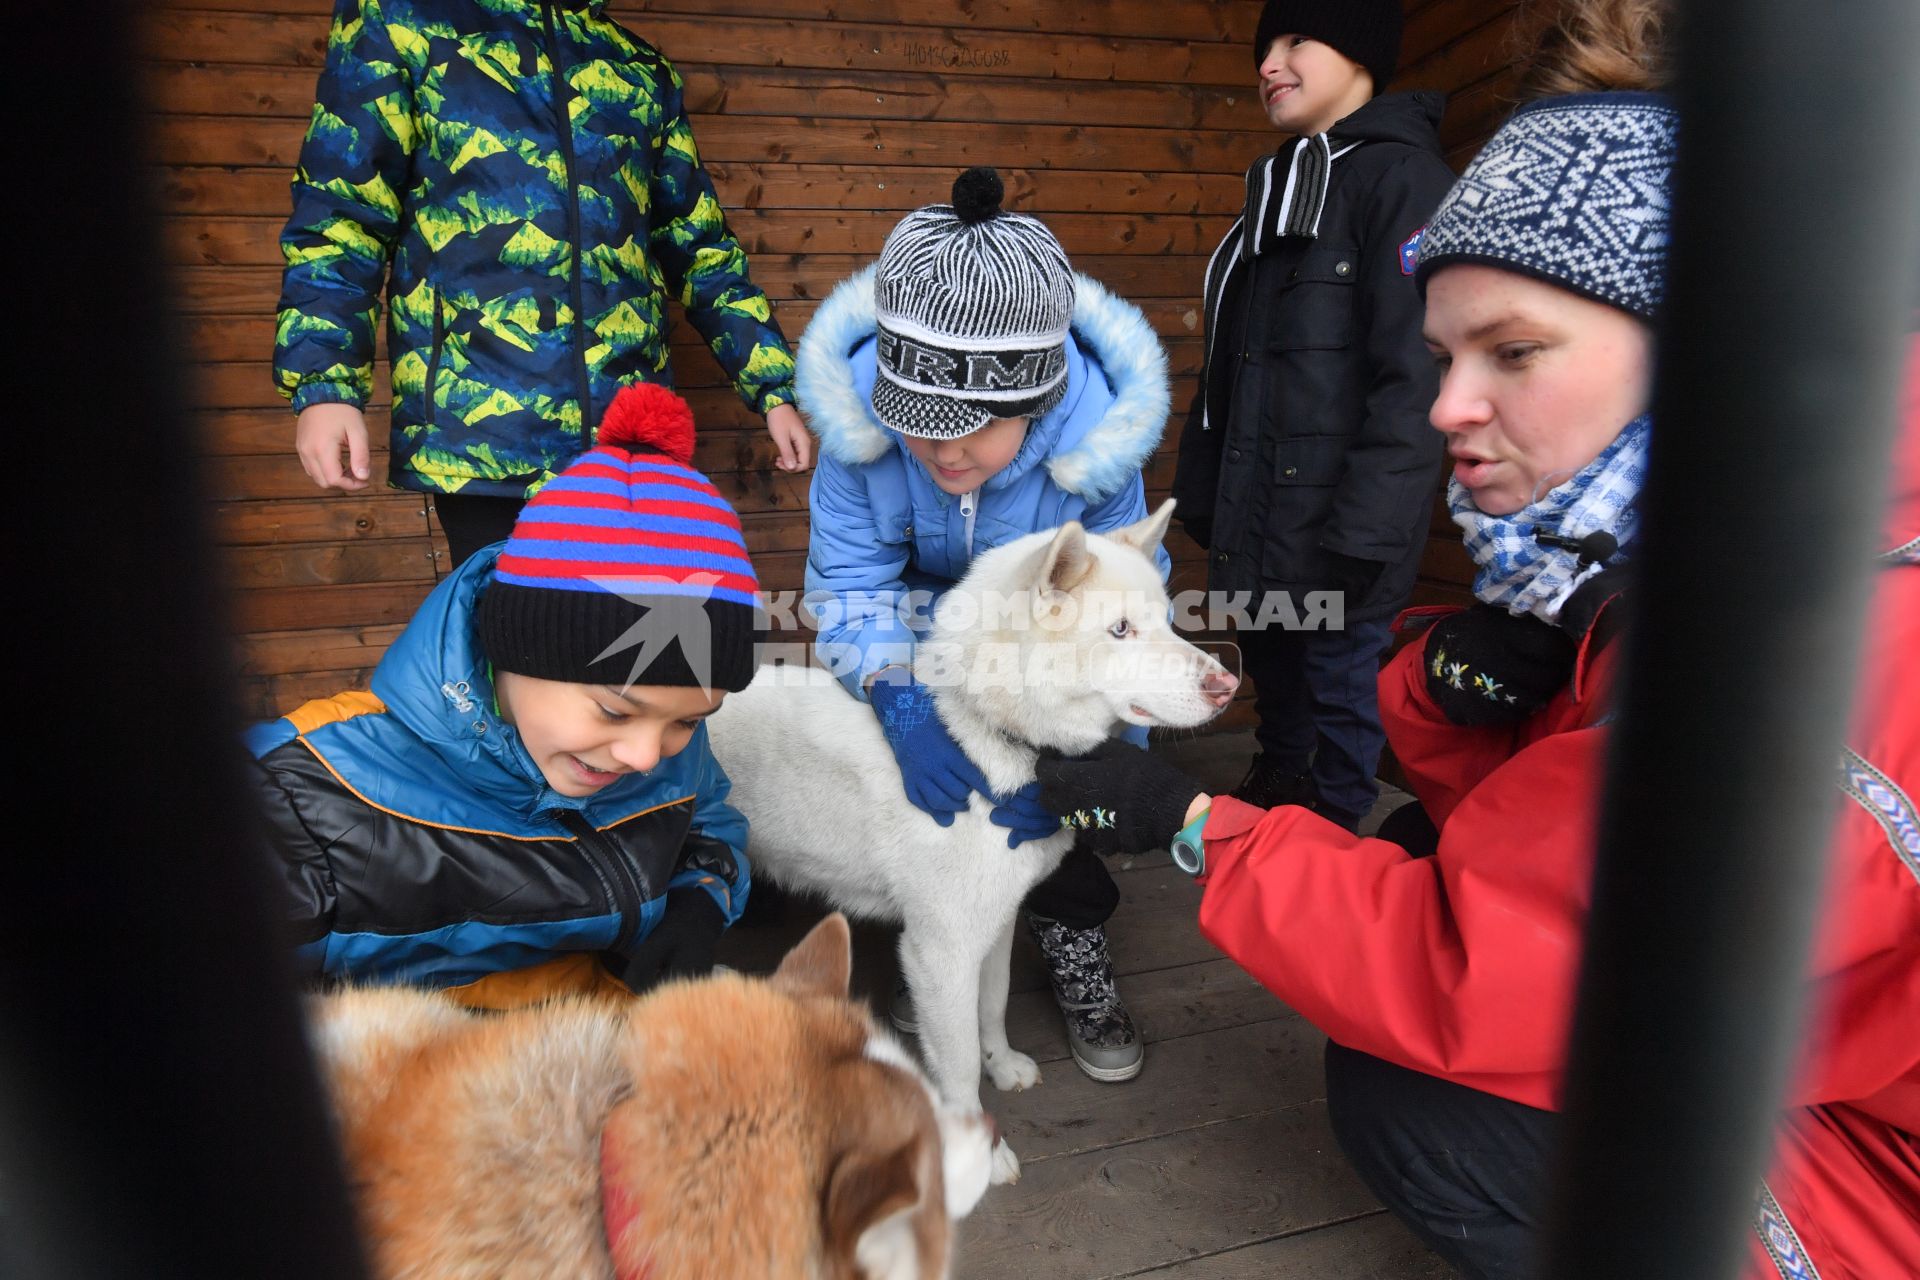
{"points": [[473, 521], [1466, 1171], [1080, 893], [1317, 696]]}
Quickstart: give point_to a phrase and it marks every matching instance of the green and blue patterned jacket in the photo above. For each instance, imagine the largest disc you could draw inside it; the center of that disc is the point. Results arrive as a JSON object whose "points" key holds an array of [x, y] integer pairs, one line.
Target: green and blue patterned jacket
{"points": [[528, 265]]}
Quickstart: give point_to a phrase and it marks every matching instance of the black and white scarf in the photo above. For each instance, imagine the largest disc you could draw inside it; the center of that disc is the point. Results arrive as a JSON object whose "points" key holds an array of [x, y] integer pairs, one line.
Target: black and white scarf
{"points": [[1286, 196]]}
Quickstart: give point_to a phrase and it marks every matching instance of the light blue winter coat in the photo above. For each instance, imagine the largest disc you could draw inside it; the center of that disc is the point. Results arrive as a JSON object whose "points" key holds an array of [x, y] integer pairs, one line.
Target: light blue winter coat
{"points": [[882, 531]]}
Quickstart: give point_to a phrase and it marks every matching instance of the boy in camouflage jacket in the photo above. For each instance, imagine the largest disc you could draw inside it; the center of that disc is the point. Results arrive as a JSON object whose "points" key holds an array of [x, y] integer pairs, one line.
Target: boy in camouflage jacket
{"points": [[522, 175]]}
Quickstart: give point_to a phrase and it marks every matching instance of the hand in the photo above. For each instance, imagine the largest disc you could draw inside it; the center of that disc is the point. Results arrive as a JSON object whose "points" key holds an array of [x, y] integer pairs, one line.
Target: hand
{"points": [[1583, 607], [681, 945], [1352, 576], [1485, 666], [1024, 817], [936, 773], [321, 434], [1118, 798], [792, 437]]}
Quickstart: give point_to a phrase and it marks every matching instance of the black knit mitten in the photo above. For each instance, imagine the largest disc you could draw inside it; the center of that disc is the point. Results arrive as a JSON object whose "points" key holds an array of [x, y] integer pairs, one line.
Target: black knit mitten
{"points": [[1486, 666], [1119, 798]]}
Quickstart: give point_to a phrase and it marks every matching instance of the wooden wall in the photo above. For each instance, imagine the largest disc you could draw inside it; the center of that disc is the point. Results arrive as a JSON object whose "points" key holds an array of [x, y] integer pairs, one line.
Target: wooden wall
{"points": [[1126, 124]]}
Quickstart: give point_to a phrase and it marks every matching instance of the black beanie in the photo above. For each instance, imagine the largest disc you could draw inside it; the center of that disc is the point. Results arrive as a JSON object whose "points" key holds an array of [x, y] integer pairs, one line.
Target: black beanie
{"points": [[1362, 31]]}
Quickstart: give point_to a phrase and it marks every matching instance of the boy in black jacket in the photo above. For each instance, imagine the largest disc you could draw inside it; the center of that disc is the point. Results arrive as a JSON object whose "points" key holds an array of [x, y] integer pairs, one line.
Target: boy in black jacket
{"points": [[1307, 463]]}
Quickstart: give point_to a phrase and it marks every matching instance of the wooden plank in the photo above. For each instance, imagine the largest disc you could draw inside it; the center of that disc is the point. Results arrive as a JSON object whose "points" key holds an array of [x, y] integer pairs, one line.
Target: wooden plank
{"points": [[255, 290], [1124, 1210], [956, 49], [282, 92], [240, 190], [254, 242], [241, 140], [356, 604], [327, 564], [382, 514], [1225, 20], [1215, 1077], [272, 698], [1373, 1247], [320, 649]]}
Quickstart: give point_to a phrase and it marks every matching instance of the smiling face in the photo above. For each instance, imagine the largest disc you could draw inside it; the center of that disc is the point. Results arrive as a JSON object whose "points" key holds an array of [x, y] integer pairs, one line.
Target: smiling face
{"points": [[585, 736], [1535, 381], [964, 463], [1306, 85]]}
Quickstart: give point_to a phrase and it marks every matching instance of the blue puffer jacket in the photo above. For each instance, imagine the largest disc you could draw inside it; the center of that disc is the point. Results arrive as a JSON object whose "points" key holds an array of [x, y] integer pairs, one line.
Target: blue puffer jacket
{"points": [[881, 528], [420, 843]]}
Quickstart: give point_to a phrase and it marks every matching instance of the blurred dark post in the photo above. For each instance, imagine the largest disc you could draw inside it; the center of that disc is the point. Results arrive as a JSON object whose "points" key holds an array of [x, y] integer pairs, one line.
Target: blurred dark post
{"points": [[1796, 236], [159, 1114]]}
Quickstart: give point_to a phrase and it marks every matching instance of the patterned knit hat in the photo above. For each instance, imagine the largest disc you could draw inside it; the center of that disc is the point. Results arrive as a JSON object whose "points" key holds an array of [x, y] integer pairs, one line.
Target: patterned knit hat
{"points": [[1362, 31], [1572, 191], [628, 567], [973, 307]]}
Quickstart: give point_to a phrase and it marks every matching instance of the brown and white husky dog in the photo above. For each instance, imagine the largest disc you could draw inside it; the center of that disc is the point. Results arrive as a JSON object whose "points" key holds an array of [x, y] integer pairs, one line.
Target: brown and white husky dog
{"points": [[729, 1127]]}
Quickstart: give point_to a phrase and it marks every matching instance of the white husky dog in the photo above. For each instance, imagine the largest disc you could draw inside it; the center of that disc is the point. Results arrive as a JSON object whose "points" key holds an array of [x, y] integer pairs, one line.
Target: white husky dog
{"points": [[1051, 641]]}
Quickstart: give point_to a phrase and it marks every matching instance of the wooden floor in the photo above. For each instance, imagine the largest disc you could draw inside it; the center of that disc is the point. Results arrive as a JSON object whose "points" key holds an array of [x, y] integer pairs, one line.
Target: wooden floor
{"points": [[1215, 1162]]}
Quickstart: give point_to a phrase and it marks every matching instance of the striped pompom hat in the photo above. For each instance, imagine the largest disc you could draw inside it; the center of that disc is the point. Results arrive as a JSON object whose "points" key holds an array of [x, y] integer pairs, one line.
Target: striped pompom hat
{"points": [[972, 307], [628, 568]]}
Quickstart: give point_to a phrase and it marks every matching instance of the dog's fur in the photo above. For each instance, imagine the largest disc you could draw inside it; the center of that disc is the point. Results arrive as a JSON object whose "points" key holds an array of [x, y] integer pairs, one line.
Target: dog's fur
{"points": [[728, 1127], [818, 782]]}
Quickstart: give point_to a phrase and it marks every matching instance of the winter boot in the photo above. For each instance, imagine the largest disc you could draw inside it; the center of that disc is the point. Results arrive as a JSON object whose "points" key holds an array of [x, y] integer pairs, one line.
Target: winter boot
{"points": [[1100, 1032]]}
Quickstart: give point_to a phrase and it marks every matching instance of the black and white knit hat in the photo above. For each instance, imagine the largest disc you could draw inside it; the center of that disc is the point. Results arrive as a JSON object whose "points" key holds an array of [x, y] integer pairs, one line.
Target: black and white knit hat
{"points": [[973, 306], [1573, 191]]}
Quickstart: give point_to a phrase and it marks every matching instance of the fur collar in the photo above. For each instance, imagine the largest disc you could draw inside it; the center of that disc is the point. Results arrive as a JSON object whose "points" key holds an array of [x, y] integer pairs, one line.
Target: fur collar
{"points": [[1093, 464]]}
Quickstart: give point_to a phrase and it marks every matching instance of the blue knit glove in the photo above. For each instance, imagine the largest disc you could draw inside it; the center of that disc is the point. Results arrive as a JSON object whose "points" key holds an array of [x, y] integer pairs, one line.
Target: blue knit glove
{"points": [[1024, 817], [937, 774]]}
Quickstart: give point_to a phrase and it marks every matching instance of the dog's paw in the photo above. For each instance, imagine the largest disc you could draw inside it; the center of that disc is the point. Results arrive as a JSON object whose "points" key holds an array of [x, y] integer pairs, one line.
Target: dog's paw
{"points": [[1006, 1165], [1012, 1069]]}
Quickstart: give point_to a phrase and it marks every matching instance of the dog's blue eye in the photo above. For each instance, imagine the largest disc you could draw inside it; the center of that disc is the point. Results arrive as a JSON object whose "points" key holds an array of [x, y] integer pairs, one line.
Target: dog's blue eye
{"points": [[1120, 630]]}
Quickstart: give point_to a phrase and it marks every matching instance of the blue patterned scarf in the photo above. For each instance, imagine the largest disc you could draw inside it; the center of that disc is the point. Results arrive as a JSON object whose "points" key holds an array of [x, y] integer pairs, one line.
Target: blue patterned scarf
{"points": [[1526, 576]]}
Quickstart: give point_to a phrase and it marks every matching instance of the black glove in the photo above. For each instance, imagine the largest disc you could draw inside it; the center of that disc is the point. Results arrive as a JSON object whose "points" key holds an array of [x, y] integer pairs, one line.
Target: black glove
{"points": [[1583, 607], [1118, 798], [680, 946], [1352, 576], [1485, 666]]}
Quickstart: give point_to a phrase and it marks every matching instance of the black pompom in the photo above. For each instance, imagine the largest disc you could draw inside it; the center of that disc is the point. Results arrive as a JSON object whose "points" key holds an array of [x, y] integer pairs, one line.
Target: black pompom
{"points": [[977, 194]]}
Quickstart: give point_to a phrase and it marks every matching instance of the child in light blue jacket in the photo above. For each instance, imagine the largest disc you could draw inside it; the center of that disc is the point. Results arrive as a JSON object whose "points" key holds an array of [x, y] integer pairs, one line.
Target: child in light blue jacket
{"points": [[970, 389]]}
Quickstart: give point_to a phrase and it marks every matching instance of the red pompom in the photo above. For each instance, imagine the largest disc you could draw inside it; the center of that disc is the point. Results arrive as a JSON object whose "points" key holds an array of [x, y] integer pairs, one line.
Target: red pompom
{"points": [[647, 415]]}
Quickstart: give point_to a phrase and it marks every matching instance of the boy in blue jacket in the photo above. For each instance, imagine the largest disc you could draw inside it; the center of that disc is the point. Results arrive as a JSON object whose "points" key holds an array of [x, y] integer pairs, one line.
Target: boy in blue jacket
{"points": [[525, 803], [970, 389]]}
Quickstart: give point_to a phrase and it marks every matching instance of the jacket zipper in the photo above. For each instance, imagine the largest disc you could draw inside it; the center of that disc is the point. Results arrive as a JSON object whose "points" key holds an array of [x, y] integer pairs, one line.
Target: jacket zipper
{"points": [[563, 98], [617, 877], [433, 352], [969, 503]]}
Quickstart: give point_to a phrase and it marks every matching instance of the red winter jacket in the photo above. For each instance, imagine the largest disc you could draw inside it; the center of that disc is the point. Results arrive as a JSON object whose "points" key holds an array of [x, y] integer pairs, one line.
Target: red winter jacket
{"points": [[1463, 965]]}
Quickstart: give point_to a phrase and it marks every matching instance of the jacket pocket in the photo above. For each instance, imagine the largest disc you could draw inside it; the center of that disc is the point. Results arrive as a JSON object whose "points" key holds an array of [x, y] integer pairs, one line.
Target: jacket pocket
{"points": [[1314, 311], [1306, 471]]}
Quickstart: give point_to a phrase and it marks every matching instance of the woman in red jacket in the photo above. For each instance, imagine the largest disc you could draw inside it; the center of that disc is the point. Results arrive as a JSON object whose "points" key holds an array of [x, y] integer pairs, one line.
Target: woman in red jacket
{"points": [[1445, 982]]}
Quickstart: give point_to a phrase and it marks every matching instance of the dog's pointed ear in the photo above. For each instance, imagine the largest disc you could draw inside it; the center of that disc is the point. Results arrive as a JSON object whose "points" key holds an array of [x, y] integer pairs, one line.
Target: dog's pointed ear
{"points": [[1067, 561], [871, 1194], [1144, 535], [822, 964]]}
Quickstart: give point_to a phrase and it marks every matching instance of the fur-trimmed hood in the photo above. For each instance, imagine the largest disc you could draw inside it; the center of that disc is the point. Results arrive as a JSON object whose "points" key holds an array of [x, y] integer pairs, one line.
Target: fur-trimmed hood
{"points": [[1088, 456]]}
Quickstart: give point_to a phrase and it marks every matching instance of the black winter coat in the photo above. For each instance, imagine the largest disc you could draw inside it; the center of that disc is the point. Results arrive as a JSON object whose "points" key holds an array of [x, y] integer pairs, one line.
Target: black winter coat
{"points": [[1318, 467]]}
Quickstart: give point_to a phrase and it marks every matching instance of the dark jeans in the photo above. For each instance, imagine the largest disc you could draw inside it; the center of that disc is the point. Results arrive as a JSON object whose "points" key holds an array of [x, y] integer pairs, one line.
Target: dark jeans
{"points": [[1466, 1171], [473, 521], [1080, 893], [1317, 696]]}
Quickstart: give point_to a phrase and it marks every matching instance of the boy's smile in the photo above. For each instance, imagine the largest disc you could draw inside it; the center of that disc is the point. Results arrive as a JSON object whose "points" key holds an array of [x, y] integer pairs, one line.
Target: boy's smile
{"points": [[1307, 85], [964, 463], [585, 736]]}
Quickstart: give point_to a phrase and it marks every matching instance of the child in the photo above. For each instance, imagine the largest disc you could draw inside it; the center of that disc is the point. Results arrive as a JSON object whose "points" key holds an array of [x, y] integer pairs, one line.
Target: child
{"points": [[1306, 463], [969, 389], [525, 803], [1446, 982], [528, 266]]}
